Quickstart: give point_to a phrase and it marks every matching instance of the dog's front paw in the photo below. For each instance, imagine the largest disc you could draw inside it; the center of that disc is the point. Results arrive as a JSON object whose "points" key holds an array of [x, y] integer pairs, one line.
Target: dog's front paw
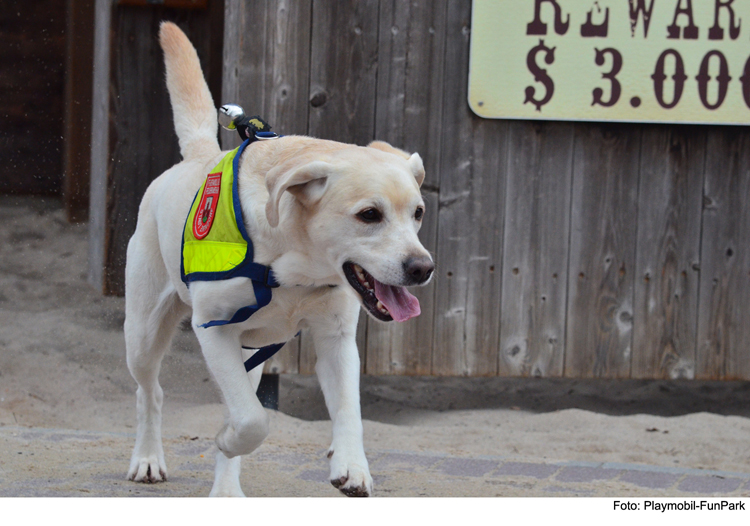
{"points": [[147, 469], [351, 479]]}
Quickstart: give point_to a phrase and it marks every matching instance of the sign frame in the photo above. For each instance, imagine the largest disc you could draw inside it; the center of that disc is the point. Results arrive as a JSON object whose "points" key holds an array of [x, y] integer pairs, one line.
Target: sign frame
{"points": [[649, 61]]}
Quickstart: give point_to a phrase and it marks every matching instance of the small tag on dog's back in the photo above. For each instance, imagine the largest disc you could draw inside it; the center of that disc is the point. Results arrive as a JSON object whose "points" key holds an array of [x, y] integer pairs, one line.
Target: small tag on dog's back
{"points": [[206, 212], [258, 124]]}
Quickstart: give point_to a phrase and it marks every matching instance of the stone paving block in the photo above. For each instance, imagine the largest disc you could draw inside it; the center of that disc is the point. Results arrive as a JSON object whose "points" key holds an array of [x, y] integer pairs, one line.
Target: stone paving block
{"points": [[570, 490], [650, 479], [56, 437], [152, 492], [526, 469], [585, 474], [29, 492], [289, 459], [373, 456], [405, 461], [107, 488], [104, 475], [190, 449], [108, 477], [172, 482], [467, 467], [709, 484], [195, 466], [35, 487], [314, 475]]}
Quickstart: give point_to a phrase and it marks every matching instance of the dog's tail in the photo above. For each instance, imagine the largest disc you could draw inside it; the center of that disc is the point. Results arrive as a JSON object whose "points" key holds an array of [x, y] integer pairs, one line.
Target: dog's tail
{"points": [[192, 106]]}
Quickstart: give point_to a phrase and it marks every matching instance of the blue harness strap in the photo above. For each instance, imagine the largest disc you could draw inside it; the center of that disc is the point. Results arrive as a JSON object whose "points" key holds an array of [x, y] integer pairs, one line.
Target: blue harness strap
{"points": [[263, 354]]}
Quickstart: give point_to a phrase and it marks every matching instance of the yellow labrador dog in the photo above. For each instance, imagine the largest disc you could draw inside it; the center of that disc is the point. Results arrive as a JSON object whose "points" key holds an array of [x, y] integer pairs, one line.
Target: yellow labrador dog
{"points": [[338, 225]]}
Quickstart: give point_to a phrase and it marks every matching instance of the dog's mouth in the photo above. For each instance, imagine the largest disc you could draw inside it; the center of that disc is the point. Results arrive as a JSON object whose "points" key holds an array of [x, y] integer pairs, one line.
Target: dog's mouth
{"points": [[383, 302]]}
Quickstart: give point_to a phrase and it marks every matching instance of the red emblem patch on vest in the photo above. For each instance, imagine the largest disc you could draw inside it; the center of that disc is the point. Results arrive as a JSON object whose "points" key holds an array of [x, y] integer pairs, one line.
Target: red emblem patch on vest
{"points": [[204, 216]]}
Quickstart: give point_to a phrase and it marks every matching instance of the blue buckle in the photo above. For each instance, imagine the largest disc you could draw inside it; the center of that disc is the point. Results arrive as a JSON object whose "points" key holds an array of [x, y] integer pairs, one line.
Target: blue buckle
{"points": [[265, 136]]}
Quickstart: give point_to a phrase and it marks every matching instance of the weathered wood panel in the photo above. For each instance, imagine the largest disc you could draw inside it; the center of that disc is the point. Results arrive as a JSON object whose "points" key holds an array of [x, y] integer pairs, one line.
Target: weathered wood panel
{"points": [[723, 328], [535, 254], [267, 62], [79, 70], [235, 21], [669, 229], [267, 71], [586, 241], [141, 142], [185, 4], [343, 68], [32, 69], [285, 94], [408, 115], [602, 251], [410, 76], [470, 223]]}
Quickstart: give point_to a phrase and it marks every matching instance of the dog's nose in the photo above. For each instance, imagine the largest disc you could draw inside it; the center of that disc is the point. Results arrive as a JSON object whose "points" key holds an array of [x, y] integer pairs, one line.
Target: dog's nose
{"points": [[418, 269]]}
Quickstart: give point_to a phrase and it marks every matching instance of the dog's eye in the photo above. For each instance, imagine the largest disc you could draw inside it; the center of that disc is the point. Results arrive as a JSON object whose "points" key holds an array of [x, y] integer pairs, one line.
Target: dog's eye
{"points": [[370, 215], [419, 213]]}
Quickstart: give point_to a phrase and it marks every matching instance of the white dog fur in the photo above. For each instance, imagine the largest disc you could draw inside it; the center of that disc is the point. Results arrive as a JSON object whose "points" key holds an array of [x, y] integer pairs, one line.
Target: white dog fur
{"points": [[300, 198]]}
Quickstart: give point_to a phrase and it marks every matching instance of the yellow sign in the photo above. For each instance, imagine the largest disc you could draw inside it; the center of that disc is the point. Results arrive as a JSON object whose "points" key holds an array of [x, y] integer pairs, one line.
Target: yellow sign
{"points": [[681, 61]]}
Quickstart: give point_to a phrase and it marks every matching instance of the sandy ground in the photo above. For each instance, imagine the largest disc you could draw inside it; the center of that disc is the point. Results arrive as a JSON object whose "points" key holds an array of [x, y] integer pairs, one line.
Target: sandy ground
{"points": [[62, 367]]}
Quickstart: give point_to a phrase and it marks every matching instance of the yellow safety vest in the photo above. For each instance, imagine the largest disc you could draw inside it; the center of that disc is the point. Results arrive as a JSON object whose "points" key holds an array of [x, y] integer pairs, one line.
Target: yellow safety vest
{"points": [[212, 241], [215, 243]]}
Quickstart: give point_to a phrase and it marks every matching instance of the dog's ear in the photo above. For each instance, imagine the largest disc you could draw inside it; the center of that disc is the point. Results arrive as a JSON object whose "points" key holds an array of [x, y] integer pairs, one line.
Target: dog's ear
{"points": [[387, 148], [307, 183], [415, 161], [417, 168]]}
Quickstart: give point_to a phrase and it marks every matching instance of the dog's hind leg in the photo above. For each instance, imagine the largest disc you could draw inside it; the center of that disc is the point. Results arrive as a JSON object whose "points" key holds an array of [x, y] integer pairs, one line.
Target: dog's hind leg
{"points": [[152, 311]]}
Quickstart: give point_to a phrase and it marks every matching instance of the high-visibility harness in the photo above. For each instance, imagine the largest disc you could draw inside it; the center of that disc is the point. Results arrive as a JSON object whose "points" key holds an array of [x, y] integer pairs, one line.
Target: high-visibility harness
{"points": [[216, 246]]}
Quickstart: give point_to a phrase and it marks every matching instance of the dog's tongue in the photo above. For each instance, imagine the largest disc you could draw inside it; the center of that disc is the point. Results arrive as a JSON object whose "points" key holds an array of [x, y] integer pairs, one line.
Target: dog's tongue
{"points": [[400, 302]]}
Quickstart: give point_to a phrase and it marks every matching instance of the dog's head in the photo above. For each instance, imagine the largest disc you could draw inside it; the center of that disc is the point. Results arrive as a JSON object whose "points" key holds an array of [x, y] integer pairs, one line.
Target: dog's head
{"points": [[360, 210]]}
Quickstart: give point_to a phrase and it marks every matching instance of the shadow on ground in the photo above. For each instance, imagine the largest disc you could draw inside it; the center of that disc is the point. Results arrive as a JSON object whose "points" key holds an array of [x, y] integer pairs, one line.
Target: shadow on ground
{"points": [[300, 396]]}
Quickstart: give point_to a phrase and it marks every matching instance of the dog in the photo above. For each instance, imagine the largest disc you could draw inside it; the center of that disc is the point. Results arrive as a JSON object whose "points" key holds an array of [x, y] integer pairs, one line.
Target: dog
{"points": [[337, 224]]}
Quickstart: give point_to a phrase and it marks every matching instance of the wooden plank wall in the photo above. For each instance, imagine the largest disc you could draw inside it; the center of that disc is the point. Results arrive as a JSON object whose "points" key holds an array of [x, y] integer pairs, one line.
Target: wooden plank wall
{"points": [[562, 249], [724, 290], [535, 248], [408, 113], [267, 71], [577, 250]]}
